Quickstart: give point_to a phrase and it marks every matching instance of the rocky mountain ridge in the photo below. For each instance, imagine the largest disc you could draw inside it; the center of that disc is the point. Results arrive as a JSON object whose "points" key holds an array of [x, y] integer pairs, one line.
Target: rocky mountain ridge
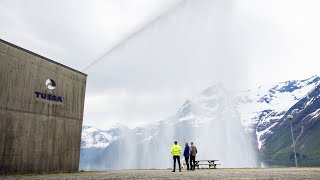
{"points": [[260, 113]]}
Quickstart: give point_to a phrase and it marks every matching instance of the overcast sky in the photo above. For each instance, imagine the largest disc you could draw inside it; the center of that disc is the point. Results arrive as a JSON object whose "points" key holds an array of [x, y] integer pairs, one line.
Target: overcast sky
{"points": [[158, 53]]}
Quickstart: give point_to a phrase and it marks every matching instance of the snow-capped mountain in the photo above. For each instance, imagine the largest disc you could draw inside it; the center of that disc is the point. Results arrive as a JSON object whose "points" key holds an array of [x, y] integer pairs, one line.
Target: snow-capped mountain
{"points": [[219, 121], [277, 148], [209, 105], [261, 109], [94, 142], [211, 120], [95, 138]]}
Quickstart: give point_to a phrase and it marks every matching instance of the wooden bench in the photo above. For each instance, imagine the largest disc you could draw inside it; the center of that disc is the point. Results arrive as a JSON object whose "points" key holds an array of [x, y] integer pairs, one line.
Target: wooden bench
{"points": [[210, 163]]}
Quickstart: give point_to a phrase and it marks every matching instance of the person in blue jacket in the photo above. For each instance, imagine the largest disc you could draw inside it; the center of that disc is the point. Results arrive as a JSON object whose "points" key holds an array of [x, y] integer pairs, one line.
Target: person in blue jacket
{"points": [[186, 154]]}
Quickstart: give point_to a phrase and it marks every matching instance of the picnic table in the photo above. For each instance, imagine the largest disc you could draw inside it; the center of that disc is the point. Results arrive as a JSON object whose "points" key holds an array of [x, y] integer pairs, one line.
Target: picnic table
{"points": [[211, 163]]}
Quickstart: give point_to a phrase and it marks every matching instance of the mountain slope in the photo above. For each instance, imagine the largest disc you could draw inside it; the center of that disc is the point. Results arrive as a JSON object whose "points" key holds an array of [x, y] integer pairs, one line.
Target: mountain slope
{"points": [[306, 129], [211, 120], [232, 127], [262, 109], [94, 141], [95, 138]]}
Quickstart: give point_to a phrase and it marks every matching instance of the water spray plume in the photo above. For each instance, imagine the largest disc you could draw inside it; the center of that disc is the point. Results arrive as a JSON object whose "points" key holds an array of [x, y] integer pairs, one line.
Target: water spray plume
{"points": [[195, 38], [122, 42]]}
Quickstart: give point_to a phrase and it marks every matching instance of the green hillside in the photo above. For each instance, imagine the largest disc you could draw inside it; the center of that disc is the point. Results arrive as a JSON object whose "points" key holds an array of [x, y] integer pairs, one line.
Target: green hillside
{"points": [[277, 148]]}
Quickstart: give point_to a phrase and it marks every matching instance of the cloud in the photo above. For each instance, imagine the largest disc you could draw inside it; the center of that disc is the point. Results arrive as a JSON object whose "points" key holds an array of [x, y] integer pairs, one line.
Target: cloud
{"points": [[278, 38], [125, 107], [240, 43], [168, 62], [82, 29]]}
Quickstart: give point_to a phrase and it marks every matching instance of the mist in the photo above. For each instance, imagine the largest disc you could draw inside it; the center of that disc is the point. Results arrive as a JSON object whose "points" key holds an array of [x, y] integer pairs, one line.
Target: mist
{"points": [[171, 60]]}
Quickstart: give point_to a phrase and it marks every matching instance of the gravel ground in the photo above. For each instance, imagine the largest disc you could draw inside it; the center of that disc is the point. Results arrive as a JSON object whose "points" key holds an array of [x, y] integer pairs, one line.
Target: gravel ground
{"points": [[272, 173]]}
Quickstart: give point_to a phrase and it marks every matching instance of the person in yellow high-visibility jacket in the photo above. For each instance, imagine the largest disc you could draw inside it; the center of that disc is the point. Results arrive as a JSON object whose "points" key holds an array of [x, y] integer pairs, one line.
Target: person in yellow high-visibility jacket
{"points": [[176, 151]]}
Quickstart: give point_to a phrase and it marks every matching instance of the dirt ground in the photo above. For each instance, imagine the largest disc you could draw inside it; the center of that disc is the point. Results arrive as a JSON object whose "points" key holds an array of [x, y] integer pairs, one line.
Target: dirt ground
{"points": [[271, 173]]}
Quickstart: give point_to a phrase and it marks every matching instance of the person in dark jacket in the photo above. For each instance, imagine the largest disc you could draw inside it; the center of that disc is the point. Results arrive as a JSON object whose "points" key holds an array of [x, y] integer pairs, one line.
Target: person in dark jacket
{"points": [[186, 155], [193, 152]]}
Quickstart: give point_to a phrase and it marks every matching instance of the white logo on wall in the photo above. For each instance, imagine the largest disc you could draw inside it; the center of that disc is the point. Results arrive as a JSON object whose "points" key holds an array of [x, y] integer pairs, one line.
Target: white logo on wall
{"points": [[50, 84]]}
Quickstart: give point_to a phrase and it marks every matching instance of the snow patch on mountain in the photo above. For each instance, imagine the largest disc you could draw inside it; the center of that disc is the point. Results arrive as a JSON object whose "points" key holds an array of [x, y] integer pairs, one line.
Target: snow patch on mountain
{"points": [[315, 114], [206, 106], [96, 138], [261, 108], [260, 111]]}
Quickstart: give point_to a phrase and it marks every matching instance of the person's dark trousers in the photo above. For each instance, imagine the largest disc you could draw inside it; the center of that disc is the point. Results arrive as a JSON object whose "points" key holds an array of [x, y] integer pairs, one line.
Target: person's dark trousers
{"points": [[192, 162], [175, 158], [186, 158]]}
